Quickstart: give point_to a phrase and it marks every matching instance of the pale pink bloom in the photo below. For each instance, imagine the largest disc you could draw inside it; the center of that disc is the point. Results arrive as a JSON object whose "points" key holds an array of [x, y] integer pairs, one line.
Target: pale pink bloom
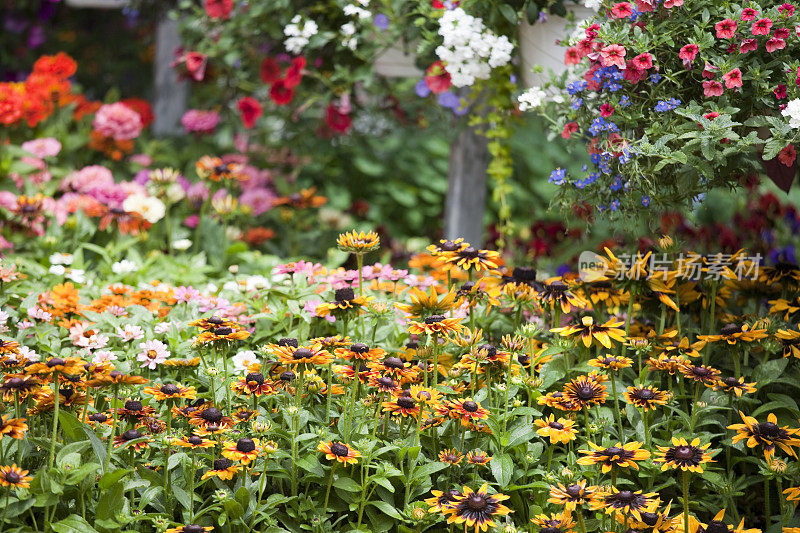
{"points": [[712, 88], [40, 314], [613, 54], [141, 159], [733, 78], [117, 310], [42, 147], [130, 332], [93, 342], [8, 200], [310, 307], [162, 327], [77, 331], [103, 357], [153, 353], [87, 179], [198, 121], [118, 121], [28, 354], [24, 324]]}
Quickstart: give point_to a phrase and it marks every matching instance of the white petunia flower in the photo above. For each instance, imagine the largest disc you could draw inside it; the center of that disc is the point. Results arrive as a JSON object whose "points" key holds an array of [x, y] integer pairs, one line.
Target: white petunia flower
{"points": [[124, 267], [531, 99], [792, 111], [61, 259]]}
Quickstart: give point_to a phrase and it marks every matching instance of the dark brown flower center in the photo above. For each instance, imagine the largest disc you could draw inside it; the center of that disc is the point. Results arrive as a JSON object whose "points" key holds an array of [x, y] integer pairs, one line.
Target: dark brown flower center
{"points": [[133, 405], [469, 252], [211, 414], [114, 374], [470, 406], [586, 392], [556, 425], [625, 496], [170, 389], [256, 377], [344, 295], [646, 394], [406, 403], [194, 440], [15, 383], [288, 341], [558, 286], [222, 464], [684, 452], [651, 519], [131, 434], [394, 362], [287, 376], [731, 381], [434, 319], [476, 502], [490, 350], [730, 329], [12, 477], [449, 246], [98, 417], [385, 382], [769, 429], [245, 445], [340, 449], [715, 526], [614, 450], [359, 348], [222, 331], [215, 320], [192, 528], [55, 361], [574, 491], [302, 353]]}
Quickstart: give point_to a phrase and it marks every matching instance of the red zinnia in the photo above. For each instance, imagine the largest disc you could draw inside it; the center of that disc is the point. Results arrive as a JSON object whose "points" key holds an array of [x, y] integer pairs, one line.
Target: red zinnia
{"points": [[270, 71], [218, 9], [250, 110], [761, 27], [295, 72], [143, 108], [788, 155], [61, 65], [725, 29], [733, 78], [280, 93], [437, 78], [337, 120]]}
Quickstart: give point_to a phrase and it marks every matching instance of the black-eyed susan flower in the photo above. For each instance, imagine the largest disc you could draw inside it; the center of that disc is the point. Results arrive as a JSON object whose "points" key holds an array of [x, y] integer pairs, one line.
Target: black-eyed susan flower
{"points": [[135, 409], [558, 431], [613, 500], [585, 392], [303, 355], [253, 384], [555, 523], [171, 391], [209, 416], [403, 406], [360, 352], [20, 385], [339, 452], [115, 377], [229, 332], [476, 509], [790, 340], [706, 375], [14, 477], [358, 242], [717, 525], [478, 457], [394, 367], [610, 362], [222, 468], [557, 292], [425, 395], [767, 434], [666, 363], [66, 365], [243, 450], [467, 410], [470, 258], [447, 246], [593, 334], [619, 455], [384, 384], [99, 419], [193, 441], [13, 427], [450, 456], [683, 455], [242, 415], [732, 334], [141, 442], [573, 495], [645, 397], [683, 348], [441, 500], [190, 528], [424, 304], [435, 324], [558, 400], [736, 386], [183, 363], [344, 300]]}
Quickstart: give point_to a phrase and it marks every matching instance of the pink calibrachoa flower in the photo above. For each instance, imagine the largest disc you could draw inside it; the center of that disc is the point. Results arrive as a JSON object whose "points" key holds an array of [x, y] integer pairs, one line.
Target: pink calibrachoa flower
{"points": [[572, 56], [780, 92], [569, 129], [710, 71], [643, 61], [606, 110], [42, 147], [118, 121], [712, 88], [761, 27], [622, 10], [669, 4], [733, 78], [775, 44], [748, 45], [786, 9], [689, 52], [749, 14], [726, 29], [613, 54], [644, 6], [782, 33], [153, 354]]}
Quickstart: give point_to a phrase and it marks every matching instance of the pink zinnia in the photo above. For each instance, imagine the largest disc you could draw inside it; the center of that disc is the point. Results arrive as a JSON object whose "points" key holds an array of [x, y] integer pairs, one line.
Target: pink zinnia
{"points": [[87, 179], [726, 29], [749, 14], [117, 121], [42, 147], [748, 45], [712, 88], [775, 44], [153, 354], [613, 54], [198, 121], [733, 78], [761, 27], [622, 10]]}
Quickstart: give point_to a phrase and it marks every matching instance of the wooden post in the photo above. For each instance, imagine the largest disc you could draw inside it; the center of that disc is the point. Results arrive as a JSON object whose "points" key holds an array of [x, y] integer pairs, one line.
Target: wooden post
{"points": [[170, 93], [466, 191]]}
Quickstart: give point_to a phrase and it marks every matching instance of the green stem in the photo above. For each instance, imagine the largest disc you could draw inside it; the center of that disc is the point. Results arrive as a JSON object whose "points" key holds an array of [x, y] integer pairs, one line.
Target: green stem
{"points": [[617, 413], [686, 500], [55, 420], [767, 510], [328, 490], [113, 425]]}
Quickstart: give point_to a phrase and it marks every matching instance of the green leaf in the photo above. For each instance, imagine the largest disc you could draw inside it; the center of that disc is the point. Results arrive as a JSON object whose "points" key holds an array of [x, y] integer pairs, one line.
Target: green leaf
{"points": [[243, 497], [112, 477], [347, 484], [502, 469], [387, 508], [73, 524], [233, 508]]}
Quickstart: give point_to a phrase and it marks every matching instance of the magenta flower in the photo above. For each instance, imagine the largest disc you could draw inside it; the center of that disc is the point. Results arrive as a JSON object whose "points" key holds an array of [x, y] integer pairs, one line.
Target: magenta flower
{"points": [[197, 121], [761, 27], [118, 121], [613, 54], [733, 78], [726, 29], [712, 88]]}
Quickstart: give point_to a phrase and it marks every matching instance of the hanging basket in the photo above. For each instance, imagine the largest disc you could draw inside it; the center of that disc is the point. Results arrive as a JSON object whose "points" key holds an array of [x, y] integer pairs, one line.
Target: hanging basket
{"points": [[538, 45]]}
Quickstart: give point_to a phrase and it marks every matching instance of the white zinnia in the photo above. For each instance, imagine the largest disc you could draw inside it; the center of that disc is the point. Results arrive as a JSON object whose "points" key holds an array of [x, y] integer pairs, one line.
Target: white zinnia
{"points": [[149, 207], [244, 359], [125, 266]]}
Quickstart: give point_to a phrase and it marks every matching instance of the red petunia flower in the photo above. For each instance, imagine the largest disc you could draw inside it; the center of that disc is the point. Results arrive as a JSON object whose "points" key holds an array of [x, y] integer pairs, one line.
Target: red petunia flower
{"points": [[748, 45], [712, 88], [788, 155], [726, 29], [569, 129], [749, 14], [294, 74], [337, 120], [270, 71], [196, 65], [782, 33], [689, 52], [775, 44], [622, 10], [643, 61], [280, 93], [761, 27], [437, 78], [780, 92], [786, 9], [613, 54], [572, 56], [250, 110], [218, 9], [606, 110]]}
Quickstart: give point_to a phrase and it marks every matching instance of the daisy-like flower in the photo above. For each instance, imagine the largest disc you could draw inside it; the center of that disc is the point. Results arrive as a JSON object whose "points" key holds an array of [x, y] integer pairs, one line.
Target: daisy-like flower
{"points": [[67, 365], [622, 501], [253, 384], [452, 457], [767, 434], [622, 456], [223, 468], [593, 334], [706, 375], [732, 334], [13, 427], [18, 384], [305, 199], [471, 258], [8, 347], [558, 400], [610, 362], [404, 406], [646, 398], [193, 441], [423, 304], [131, 435], [243, 450], [467, 410], [243, 415], [555, 523], [435, 324], [358, 243], [559, 431], [115, 377], [344, 300], [171, 391], [339, 451], [190, 528], [790, 339], [360, 351], [736, 386], [228, 332], [716, 525], [183, 363], [302, 355], [557, 293], [571, 496], [135, 409], [153, 353], [683, 455], [441, 500], [14, 477], [395, 367], [684, 348], [209, 416], [425, 395], [211, 322], [99, 419], [478, 457], [476, 509], [447, 247], [585, 392], [665, 363], [214, 169]]}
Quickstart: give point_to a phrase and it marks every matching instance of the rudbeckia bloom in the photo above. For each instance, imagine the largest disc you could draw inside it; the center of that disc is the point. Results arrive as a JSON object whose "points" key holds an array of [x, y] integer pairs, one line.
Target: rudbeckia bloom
{"points": [[571, 496], [610, 362], [446, 247], [683, 455], [441, 500], [223, 468], [666, 363], [344, 300], [467, 410], [18, 384], [478, 457], [384, 384], [585, 392], [171, 391], [731, 333], [716, 525], [423, 303], [646, 398], [302, 355], [9, 347], [253, 384], [452, 457], [617, 455], [230, 332], [471, 258], [193, 441], [339, 451], [358, 243], [68, 365], [360, 351], [555, 523], [13, 427], [14, 477], [559, 431], [401, 406], [591, 333], [622, 501], [135, 409], [209, 416], [131, 435], [243, 450], [190, 528], [476, 509], [700, 373], [435, 324], [736, 386], [115, 377], [425, 395], [395, 367], [790, 339], [557, 293], [766, 434]]}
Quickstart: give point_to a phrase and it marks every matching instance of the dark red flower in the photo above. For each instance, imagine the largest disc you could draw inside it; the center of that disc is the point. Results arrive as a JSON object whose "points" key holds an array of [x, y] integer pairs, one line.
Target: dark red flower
{"points": [[780, 92], [569, 129], [280, 93], [196, 65], [270, 71], [295, 72], [788, 155], [218, 9], [437, 78], [337, 120], [250, 110], [606, 110]]}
